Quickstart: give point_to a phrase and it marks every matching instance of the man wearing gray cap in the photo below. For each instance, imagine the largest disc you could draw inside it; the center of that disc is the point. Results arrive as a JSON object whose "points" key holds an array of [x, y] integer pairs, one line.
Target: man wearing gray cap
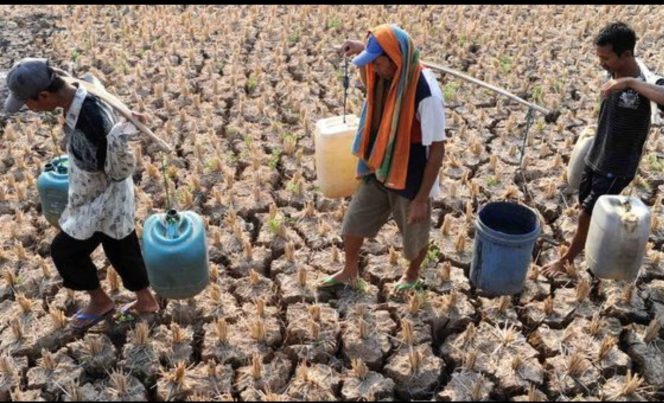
{"points": [[100, 208]]}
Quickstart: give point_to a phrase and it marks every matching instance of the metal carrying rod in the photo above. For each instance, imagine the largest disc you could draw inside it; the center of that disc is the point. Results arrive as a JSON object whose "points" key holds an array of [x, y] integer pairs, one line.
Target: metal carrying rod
{"points": [[529, 117], [163, 172], [346, 82], [529, 122], [481, 83]]}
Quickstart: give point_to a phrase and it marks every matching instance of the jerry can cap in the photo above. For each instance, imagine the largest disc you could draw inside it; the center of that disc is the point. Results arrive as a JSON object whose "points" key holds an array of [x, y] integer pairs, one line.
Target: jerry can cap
{"points": [[172, 216]]}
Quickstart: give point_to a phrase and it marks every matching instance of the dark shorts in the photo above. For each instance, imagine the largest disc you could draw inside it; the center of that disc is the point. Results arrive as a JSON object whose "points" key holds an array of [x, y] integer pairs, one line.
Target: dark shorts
{"points": [[593, 185]]}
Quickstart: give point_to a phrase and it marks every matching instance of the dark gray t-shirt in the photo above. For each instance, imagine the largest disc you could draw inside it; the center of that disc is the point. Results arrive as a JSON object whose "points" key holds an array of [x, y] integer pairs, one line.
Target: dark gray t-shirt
{"points": [[624, 122]]}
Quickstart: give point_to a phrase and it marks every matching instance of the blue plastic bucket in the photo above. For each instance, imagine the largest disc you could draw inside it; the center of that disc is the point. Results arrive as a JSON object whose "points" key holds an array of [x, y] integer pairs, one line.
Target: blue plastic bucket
{"points": [[504, 241]]}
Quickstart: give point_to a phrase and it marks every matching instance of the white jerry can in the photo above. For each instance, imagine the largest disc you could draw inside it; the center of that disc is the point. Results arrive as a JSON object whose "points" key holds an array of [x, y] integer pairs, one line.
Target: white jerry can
{"points": [[576, 160], [335, 162], [617, 237]]}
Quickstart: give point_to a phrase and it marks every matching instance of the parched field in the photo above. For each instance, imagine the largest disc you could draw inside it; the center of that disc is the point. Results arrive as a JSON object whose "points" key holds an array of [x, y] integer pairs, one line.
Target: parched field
{"points": [[237, 90]]}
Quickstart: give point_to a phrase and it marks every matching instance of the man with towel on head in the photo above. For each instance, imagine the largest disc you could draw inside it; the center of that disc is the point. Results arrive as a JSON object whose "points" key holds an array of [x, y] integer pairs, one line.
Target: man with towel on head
{"points": [[400, 146]]}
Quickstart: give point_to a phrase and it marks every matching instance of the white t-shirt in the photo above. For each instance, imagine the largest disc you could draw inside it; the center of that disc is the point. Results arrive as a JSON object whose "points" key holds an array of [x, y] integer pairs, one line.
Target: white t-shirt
{"points": [[431, 114]]}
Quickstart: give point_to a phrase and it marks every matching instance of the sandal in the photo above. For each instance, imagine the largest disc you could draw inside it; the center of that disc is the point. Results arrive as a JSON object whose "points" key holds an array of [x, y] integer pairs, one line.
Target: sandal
{"points": [[90, 319], [404, 286]]}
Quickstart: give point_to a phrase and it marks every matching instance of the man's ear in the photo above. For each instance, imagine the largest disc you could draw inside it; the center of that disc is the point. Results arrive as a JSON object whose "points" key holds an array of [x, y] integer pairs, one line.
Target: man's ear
{"points": [[43, 95]]}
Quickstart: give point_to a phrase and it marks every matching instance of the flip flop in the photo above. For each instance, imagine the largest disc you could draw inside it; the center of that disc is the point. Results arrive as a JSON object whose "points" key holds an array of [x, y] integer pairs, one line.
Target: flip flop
{"points": [[90, 318], [331, 282], [404, 286]]}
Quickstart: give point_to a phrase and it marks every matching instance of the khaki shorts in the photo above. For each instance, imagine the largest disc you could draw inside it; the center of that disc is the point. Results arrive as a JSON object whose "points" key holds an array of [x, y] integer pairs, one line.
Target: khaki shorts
{"points": [[371, 207]]}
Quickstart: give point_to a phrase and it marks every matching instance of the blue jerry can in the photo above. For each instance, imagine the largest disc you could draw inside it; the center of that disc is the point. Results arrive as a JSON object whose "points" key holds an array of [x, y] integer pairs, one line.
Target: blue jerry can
{"points": [[176, 254], [53, 188]]}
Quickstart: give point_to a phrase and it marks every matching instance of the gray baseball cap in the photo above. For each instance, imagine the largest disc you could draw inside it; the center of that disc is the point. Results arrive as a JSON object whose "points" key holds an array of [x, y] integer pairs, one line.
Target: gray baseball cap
{"points": [[27, 78]]}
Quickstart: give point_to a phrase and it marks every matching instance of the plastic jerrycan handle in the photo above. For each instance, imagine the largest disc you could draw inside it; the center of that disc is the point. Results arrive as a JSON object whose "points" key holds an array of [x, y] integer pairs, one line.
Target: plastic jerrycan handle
{"points": [[628, 219], [172, 224], [62, 165]]}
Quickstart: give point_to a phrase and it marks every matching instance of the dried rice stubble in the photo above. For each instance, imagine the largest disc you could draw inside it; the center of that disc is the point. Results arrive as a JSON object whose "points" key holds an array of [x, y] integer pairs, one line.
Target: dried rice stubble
{"points": [[68, 300], [174, 344], [12, 370], [54, 370], [445, 277], [299, 286], [347, 298], [185, 312], [26, 330], [277, 231], [255, 285], [94, 352], [629, 387], [251, 258], [360, 383], [312, 332], [571, 373], [556, 311], [290, 261], [210, 379], [623, 300], [38, 282], [314, 382], [456, 245], [319, 229], [250, 198], [524, 367], [455, 191], [646, 350], [139, 355], [415, 370], [467, 386], [228, 343], [546, 194], [385, 268], [216, 302], [260, 376], [499, 310], [366, 335], [580, 334]]}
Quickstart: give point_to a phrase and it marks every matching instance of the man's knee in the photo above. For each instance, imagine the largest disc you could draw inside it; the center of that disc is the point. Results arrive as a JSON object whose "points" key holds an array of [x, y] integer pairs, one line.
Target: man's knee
{"points": [[59, 251]]}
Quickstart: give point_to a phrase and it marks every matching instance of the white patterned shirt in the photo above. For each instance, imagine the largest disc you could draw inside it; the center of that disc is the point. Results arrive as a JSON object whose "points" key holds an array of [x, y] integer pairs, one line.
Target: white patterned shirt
{"points": [[101, 189]]}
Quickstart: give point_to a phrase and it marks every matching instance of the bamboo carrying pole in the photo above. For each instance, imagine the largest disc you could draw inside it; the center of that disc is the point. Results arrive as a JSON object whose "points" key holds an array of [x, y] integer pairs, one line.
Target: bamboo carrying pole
{"points": [[120, 107], [481, 83]]}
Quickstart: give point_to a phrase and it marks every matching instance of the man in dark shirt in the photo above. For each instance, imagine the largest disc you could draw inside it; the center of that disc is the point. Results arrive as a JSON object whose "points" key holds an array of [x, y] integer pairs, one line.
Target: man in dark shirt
{"points": [[624, 123]]}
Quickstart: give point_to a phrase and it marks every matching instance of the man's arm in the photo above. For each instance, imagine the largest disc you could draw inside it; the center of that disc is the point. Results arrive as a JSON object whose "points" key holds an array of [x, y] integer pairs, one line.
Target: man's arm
{"points": [[418, 206], [351, 48], [435, 161], [654, 93], [431, 112]]}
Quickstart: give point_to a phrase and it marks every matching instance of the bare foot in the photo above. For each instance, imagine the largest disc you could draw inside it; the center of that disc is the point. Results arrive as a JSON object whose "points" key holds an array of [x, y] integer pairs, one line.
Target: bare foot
{"points": [[145, 302], [410, 276], [342, 276], [554, 269]]}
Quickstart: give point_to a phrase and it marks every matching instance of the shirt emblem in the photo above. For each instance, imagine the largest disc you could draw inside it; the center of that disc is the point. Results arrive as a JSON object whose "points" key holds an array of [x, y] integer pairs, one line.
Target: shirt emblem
{"points": [[629, 99]]}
